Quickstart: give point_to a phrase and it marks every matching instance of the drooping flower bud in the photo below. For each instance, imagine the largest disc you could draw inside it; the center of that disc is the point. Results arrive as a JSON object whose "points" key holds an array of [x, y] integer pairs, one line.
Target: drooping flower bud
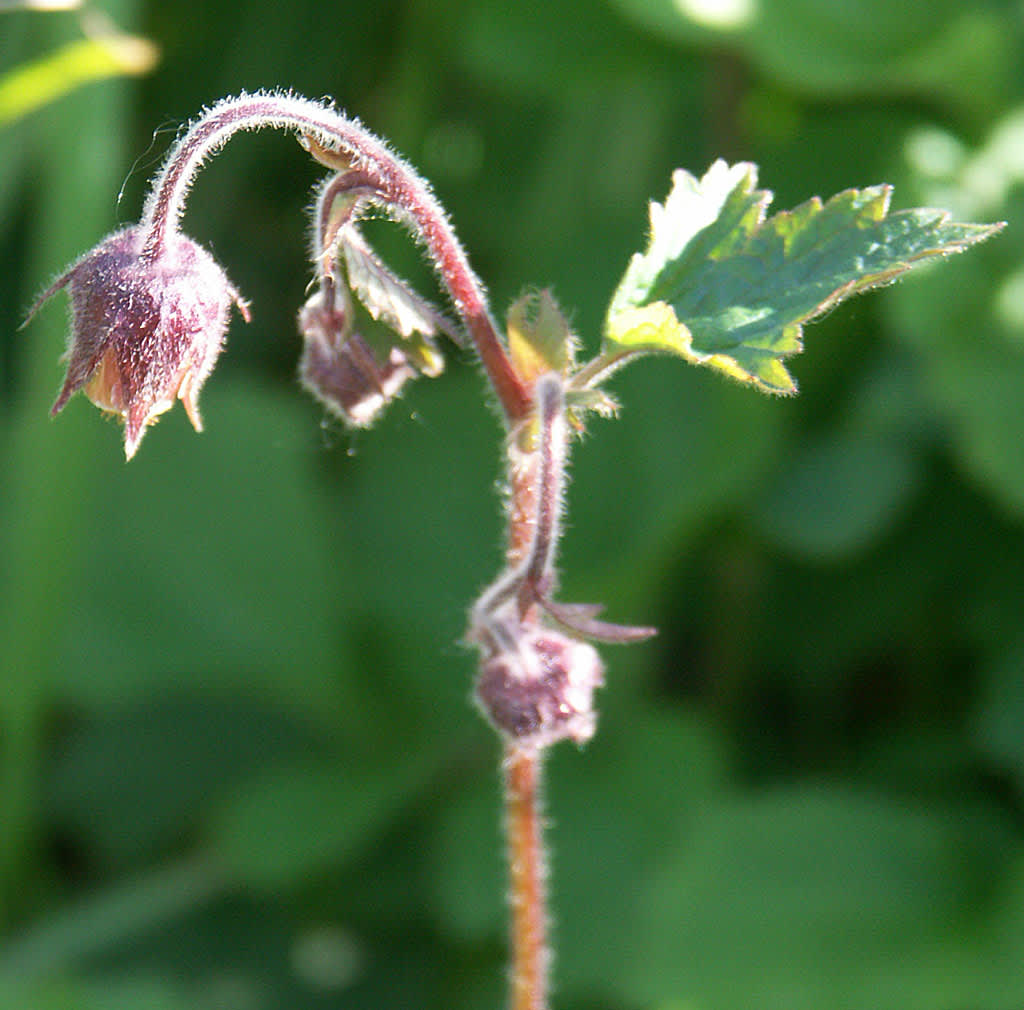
{"points": [[542, 690], [146, 327], [339, 367]]}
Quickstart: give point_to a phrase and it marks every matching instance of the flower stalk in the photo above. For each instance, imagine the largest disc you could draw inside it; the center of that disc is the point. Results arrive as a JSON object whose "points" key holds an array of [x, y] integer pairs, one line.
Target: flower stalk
{"points": [[535, 685], [394, 184], [528, 976]]}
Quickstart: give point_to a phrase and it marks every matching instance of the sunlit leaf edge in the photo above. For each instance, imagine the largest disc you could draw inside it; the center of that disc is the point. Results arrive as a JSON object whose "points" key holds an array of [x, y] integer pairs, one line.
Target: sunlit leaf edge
{"points": [[708, 287]]}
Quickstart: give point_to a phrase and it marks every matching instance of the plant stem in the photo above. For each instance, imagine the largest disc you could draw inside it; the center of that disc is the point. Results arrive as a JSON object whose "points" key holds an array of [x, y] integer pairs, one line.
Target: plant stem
{"points": [[549, 482], [396, 184], [521, 768], [527, 897]]}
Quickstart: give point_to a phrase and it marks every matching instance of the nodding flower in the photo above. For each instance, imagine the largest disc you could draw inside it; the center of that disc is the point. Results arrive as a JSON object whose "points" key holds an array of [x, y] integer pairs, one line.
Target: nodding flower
{"points": [[150, 307], [352, 380], [541, 690], [147, 326]]}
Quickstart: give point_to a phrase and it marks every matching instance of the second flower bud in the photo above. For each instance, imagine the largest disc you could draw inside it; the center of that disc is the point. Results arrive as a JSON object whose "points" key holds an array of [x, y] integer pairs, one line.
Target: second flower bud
{"points": [[541, 690]]}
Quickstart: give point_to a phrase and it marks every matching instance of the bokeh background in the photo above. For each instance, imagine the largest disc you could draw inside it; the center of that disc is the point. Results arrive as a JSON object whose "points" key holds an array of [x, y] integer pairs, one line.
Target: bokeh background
{"points": [[238, 765]]}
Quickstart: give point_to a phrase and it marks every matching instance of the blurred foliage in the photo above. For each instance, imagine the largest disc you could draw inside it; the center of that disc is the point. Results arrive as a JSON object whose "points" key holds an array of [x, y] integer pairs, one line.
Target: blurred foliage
{"points": [[238, 768], [26, 88]]}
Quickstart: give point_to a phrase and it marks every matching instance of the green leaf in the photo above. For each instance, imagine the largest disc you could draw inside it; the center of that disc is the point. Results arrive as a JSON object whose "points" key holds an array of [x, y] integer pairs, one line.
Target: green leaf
{"points": [[393, 302], [29, 87], [110, 805], [997, 721], [724, 286], [301, 820], [835, 897], [539, 338], [837, 496]]}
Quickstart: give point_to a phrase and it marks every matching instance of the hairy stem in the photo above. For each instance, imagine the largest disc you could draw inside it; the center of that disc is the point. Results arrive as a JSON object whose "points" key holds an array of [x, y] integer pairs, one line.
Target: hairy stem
{"points": [[527, 898], [522, 767], [394, 181], [552, 437]]}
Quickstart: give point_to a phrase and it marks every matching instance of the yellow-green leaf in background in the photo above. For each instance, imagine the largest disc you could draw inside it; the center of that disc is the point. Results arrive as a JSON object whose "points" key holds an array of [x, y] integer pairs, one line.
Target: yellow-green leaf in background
{"points": [[35, 84]]}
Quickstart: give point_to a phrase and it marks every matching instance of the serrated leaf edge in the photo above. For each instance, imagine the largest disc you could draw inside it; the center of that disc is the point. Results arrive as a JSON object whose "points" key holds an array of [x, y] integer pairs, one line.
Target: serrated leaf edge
{"points": [[628, 316]]}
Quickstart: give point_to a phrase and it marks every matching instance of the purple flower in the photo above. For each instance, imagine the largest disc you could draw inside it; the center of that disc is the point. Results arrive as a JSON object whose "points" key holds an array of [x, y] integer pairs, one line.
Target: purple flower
{"points": [[339, 367], [541, 690], [146, 328]]}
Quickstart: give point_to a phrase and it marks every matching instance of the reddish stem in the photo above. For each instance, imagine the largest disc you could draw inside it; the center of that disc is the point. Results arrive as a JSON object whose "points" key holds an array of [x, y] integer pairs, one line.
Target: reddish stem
{"points": [[522, 773], [548, 480], [396, 183], [527, 899]]}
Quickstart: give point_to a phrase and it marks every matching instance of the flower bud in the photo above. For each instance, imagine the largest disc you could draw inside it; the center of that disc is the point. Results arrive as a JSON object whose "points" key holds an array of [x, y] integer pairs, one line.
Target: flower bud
{"points": [[146, 327], [542, 691], [339, 367]]}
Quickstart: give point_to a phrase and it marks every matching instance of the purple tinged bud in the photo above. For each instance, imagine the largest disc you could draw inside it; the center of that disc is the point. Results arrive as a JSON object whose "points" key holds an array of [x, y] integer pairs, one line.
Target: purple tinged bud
{"points": [[542, 690], [146, 327], [339, 367]]}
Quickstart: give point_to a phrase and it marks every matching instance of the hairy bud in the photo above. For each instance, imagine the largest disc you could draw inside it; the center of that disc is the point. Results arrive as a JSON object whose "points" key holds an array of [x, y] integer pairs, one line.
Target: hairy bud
{"points": [[146, 327], [339, 367], [542, 691]]}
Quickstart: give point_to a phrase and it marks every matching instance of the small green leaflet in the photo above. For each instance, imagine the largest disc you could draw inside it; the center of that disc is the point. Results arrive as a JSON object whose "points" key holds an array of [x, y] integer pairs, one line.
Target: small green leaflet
{"points": [[539, 338], [723, 285], [393, 302]]}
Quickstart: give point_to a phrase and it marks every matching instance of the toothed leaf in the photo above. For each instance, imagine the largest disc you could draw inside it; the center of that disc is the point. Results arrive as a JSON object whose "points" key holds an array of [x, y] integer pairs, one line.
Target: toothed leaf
{"points": [[393, 302], [723, 285], [539, 338]]}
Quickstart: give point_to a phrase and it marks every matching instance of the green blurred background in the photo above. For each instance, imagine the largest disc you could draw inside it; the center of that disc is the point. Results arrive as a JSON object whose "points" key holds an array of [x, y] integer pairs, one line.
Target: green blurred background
{"points": [[238, 766]]}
